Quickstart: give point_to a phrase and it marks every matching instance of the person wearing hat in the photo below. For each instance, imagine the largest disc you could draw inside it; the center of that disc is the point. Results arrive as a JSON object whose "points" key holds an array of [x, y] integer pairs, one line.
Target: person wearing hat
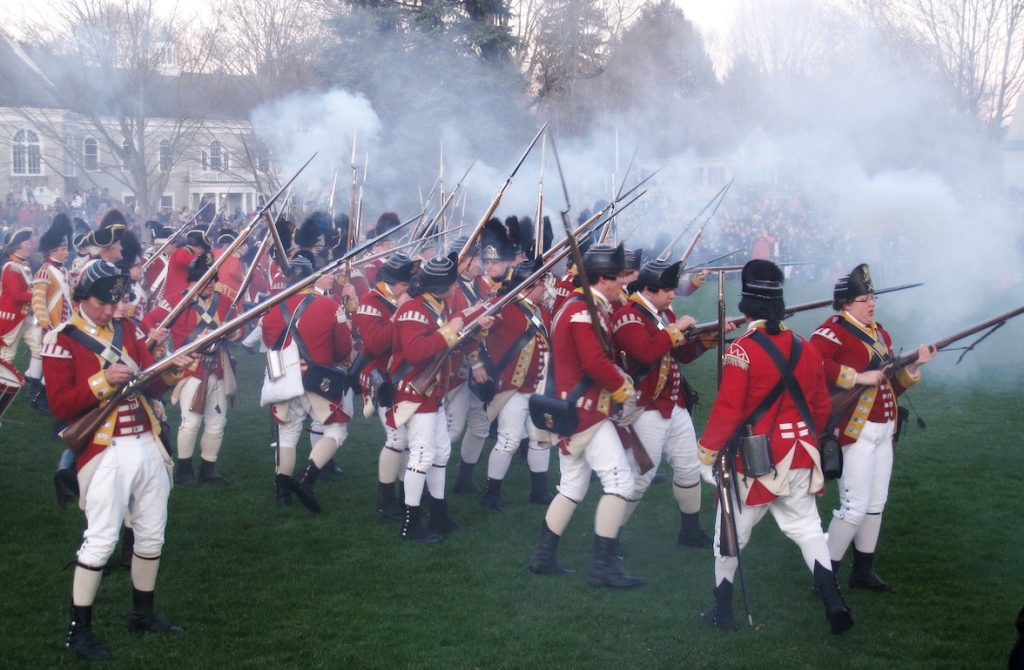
{"points": [[318, 322], [16, 320], [634, 260], [232, 271], [584, 370], [385, 222], [207, 385], [373, 321], [856, 348], [464, 409], [194, 244], [520, 340], [124, 469], [656, 346], [156, 272], [498, 250], [425, 329], [752, 375], [51, 291]]}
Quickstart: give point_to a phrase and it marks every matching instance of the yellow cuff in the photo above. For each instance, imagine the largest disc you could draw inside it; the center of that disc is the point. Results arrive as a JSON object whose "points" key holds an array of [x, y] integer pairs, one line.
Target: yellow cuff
{"points": [[678, 337], [171, 377], [451, 337], [706, 456], [847, 377], [697, 280], [906, 379], [100, 387], [622, 393]]}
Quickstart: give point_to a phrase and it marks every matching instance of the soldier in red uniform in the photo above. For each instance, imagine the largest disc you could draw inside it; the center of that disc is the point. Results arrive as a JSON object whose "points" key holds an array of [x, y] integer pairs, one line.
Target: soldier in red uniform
{"points": [[520, 341], [585, 373], [194, 244], [321, 330], [654, 340], [155, 278], [425, 328], [374, 322], [855, 348], [16, 319], [752, 376], [204, 391], [232, 271], [125, 468]]}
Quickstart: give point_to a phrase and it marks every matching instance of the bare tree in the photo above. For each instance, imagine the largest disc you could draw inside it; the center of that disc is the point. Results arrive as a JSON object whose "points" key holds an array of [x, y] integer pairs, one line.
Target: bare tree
{"points": [[129, 97], [976, 46]]}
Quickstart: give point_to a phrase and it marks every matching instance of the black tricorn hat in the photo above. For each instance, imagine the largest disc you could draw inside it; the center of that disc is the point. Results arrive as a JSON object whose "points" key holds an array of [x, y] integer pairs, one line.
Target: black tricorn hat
{"points": [[59, 234], [634, 259], [107, 237], [762, 279], [14, 238], [604, 260], [439, 273], [197, 238], [398, 268], [660, 274], [225, 236], [853, 285], [101, 280], [199, 265]]}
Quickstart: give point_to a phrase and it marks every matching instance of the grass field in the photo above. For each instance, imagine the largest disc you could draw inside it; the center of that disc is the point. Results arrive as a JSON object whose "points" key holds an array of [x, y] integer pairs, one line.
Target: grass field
{"points": [[255, 586]]}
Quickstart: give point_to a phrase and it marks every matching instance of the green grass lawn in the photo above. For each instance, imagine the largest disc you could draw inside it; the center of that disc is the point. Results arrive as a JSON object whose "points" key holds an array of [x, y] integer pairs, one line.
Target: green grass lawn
{"points": [[255, 586]]}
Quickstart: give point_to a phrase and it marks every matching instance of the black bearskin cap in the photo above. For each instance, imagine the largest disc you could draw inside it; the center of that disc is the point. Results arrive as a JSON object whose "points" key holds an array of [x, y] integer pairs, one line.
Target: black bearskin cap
{"points": [[386, 222], [131, 249], [112, 218], [495, 242], [317, 230], [59, 234]]}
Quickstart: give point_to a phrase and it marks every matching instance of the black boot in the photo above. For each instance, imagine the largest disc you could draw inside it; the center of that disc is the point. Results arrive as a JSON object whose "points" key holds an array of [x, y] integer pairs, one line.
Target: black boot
{"points": [[65, 480], [184, 475], [412, 527], [836, 610], [127, 547], [440, 522], [862, 577], [606, 567], [491, 499], [35, 394], [142, 618], [208, 473], [539, 494], [691, 534], [303, 487], [283, 494], [545, 557], [464, 484], [835, 571], [329, 473], [388, 508], [81, 640], [720, 615]]}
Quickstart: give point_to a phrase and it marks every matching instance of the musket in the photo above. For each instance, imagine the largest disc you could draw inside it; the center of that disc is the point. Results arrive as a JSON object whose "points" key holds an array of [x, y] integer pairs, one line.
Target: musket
{"points": [[618, 194], [842, 400], [713, 326], [721, 324], [358, 223], [640, 455], [497, 199], [663, 256], [173, 237], [282, 253], [700, 231], [707, 264], [538, 224], [80, 433], [429, 230], [184, 303], [355, 187], [393, 250], [330, 198], [415, 232], [728, 497]]}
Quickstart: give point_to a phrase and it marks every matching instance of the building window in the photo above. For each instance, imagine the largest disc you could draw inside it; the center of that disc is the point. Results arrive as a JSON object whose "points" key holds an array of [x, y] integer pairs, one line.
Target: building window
{"points": [[126, 153], [91, 149], [167, 203], [205, 159], [216, 162], [26, 157], [165, 156]]}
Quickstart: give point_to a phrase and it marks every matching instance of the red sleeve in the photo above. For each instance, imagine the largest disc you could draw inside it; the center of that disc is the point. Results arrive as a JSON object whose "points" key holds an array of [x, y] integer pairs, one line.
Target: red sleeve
{"points": [[376, 330], [15, 286], [729, 409], [420, 342], [593, 359], [69, 396], [632, 337]]}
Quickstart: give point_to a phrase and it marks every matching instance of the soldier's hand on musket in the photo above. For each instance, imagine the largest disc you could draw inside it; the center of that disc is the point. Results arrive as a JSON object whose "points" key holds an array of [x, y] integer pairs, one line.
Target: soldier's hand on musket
{"points": [[485, 322], [456, 323], [159, 334], [869, 378], [685, 321], [117, 373], [480, 374], [349, 291], [703, 274], [707, 473], [925, 353], [181, 361]]}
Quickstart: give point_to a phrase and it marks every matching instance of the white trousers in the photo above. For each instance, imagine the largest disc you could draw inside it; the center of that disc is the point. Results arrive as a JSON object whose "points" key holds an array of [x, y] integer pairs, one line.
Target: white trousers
{"points": [[29, 331], [289, 432], [130, 477], [429, 444], [214, 415], [867, 469], [513, 425], [605, 456], [466, 412], [676, 439]]}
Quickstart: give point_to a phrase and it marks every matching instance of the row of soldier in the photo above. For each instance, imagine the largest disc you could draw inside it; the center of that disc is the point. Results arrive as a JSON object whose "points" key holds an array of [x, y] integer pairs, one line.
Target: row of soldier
{"points": [[433, 363]]}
